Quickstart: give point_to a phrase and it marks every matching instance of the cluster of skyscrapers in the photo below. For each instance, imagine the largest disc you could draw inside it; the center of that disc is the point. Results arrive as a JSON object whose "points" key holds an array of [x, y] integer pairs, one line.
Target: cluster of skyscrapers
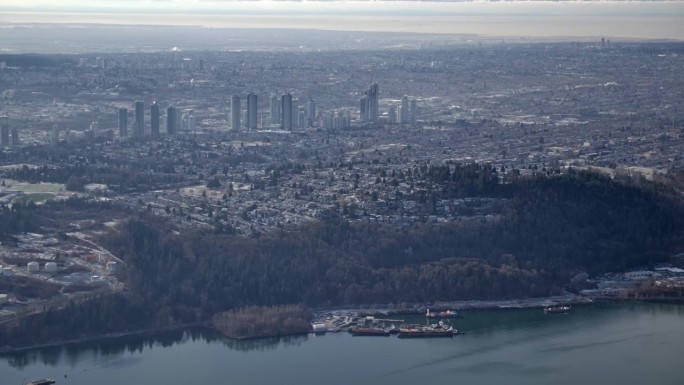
{"points": [[286, 112], [336, 119], [405, 113], [368, 107], [369, 111], [172, 121]]}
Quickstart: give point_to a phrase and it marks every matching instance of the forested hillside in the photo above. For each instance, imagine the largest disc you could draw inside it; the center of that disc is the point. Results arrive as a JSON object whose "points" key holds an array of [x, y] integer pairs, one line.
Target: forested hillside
{"points": [[551, 228]]}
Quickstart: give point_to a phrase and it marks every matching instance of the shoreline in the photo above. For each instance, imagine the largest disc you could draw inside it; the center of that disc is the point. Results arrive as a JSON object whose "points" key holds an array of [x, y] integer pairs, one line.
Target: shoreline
{"points": [[503, 304], [368, 310]]}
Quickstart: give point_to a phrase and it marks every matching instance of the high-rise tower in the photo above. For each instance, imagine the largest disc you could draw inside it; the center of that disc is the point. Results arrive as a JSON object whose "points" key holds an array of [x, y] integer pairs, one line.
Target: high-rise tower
{"points": [[295, 113], [235, 112], [405, 112], [392, 114], [154, 120], [15, 136], [364, 115], [368, 105], [123, 123], [251, 111], [139, 130], [414, 110], [4, 131], [171, 120], [275, 109], [286, 111], [310, 113], [188, 121], [373, 111]]}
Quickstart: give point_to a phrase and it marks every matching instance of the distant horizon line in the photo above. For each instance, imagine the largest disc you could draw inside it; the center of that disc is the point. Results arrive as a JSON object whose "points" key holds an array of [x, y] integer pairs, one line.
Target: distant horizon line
{"points": [[535, 19]]}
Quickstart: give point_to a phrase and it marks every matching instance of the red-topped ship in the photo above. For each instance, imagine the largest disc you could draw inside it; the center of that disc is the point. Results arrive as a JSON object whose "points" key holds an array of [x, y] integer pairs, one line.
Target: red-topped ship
{"points": [[426, 331]]}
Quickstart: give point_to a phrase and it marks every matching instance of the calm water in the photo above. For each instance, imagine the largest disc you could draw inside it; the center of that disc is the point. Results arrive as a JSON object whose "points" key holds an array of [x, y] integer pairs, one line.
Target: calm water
{"points": [[610, 344]]}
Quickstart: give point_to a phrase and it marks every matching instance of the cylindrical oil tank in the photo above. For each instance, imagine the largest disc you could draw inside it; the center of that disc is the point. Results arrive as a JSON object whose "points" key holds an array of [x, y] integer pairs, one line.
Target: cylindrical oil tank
{"points": [[3, 299], [33, 267], [7, 271], [111, 266], [319, 327], [51, 267]]}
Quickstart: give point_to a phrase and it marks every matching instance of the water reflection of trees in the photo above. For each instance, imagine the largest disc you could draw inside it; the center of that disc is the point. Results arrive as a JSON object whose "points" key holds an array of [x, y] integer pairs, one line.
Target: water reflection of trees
{"points": [[110, 349], [262, 344]]}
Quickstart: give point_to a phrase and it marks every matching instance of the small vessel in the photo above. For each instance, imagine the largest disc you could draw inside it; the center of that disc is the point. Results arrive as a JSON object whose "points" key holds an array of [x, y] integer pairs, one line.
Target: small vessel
{"points": [[426, 331], [43, 381], [559, 309], [441, 314], [369, 331]]}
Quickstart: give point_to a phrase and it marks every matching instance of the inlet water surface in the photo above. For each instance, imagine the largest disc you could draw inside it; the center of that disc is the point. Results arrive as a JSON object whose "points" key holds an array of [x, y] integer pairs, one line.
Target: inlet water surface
{"points": [[617, 343]]}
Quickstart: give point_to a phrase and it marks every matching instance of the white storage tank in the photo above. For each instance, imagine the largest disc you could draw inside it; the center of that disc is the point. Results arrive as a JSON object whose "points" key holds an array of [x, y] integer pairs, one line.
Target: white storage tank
{"points": [[33, 267], [4, 298], [7, 271], [111, 266], [319, 327], [51, 267]]}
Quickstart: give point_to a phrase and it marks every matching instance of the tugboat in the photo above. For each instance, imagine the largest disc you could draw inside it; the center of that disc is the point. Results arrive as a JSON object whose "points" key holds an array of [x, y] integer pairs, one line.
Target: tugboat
{"points": [[441, 314], [559, 309]]}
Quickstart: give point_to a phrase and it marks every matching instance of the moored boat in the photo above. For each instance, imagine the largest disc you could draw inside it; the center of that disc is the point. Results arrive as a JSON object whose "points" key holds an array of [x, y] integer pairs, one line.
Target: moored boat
{"points": [[441, 314], [560, 309], [369, 331], [43, 381], [426, 331]]}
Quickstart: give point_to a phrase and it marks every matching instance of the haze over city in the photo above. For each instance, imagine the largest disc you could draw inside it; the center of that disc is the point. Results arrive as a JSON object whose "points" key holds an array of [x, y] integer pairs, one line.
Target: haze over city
{"points": [[354, 192], [541, 20]]}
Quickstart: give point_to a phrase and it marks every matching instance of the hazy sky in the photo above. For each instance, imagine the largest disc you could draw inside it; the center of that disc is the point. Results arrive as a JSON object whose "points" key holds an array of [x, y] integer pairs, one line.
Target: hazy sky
{"points": [[210, 6], [626, 19], [207, 5], [313, 6]]}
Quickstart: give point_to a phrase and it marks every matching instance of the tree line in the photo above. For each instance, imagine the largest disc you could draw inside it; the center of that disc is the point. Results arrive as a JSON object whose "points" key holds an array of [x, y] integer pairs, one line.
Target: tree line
{"points": [[263, 321], [550, 229]]}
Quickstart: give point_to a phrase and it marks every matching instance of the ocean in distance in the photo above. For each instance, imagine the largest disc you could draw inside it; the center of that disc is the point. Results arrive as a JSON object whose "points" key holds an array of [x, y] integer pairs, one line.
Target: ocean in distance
{"points": [[23, 27], [617, 343]]}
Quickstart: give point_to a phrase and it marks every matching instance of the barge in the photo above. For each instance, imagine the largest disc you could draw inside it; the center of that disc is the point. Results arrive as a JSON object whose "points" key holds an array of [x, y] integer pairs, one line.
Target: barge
{"points": [[369, 331]]}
